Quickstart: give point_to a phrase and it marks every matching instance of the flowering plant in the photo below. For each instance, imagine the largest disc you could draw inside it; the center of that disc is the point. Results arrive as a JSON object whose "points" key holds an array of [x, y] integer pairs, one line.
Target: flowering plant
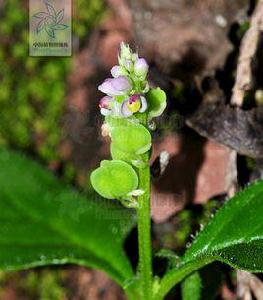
{"points": [[128, 107], [45, 222]]}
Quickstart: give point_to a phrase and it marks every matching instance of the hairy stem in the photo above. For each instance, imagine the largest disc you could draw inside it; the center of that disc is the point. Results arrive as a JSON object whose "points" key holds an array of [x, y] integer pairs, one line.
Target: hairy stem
{"points": [[144, 232]]}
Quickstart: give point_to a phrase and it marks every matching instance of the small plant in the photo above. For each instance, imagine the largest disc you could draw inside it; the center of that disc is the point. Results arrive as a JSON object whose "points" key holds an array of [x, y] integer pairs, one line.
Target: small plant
{"points": [[45, 222], [129, 107]]}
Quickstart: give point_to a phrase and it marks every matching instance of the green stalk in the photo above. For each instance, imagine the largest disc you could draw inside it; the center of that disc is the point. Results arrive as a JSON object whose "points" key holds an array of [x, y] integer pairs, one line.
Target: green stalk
{"points": [[144, 234], [175, 276]]}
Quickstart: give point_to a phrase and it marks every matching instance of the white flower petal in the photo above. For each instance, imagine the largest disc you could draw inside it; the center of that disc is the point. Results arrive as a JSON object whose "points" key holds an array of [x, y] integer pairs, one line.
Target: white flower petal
{"points": [[105, 112], [144, 104]]}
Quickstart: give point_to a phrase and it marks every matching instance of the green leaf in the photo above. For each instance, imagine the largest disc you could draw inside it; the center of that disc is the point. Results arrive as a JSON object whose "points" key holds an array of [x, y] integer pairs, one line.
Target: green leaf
{"points": [[114, 179], [44, 222], [133, 138], [191, 287], [234, 236], [117, 122], [119, 155], [156, 99]]}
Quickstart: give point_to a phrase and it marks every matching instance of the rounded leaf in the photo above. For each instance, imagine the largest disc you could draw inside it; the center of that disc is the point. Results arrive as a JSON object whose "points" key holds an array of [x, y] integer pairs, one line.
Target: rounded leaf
{"points": [[114, 179], [116, 122], [134, 138], [120, 155], [156, 99], [135, 160]]}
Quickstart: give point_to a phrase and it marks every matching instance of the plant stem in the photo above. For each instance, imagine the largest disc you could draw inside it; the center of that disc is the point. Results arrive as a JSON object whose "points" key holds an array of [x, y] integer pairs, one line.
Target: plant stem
{"points": [[176, 275], [144, 234]]}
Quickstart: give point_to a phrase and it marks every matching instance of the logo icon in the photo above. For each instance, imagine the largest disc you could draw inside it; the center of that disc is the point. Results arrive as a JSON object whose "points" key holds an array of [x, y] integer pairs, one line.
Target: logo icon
{"points": [[50, 20]]}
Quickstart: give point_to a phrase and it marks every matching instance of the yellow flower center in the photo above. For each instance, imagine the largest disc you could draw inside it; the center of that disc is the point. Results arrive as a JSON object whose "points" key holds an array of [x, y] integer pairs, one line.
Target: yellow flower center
{"points": [[134, 105]]}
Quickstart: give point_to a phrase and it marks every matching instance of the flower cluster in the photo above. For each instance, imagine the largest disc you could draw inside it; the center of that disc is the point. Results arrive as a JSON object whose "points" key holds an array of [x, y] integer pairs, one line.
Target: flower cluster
{"points": [[129, 107], [124, 92]]}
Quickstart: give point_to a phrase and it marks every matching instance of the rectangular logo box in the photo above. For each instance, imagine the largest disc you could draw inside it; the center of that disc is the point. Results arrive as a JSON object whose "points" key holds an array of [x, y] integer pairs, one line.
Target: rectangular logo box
{"points": [[50, 28]]}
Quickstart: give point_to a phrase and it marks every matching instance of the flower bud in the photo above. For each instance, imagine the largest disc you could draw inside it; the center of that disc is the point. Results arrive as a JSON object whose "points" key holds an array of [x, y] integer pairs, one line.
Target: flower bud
{"points": [[125, 52], [135, 56], [105, 130], [116, 71], [115, 86], [141, 67], [105, 105], [105, 102], [128, 64]]}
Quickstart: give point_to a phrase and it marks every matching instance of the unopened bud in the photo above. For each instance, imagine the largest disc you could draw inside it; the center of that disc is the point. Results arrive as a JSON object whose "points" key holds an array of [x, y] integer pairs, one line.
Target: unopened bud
{"points": [[141, 67]]}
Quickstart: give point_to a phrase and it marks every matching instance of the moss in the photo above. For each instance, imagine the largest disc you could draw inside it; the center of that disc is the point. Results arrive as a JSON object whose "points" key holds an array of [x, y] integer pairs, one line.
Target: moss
{"points": [[33, 89], [41, 284]]}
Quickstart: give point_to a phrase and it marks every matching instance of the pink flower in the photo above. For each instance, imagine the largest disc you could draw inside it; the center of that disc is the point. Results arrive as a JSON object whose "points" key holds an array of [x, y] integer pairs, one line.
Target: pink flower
{"points": [[106, 104], [116, 71], [136, 103], [115, 86], [141, 67]]}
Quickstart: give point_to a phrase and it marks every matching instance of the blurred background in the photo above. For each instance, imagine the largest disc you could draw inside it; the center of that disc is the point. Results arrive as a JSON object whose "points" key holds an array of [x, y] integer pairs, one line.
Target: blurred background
{"points": [[49, 109]]}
